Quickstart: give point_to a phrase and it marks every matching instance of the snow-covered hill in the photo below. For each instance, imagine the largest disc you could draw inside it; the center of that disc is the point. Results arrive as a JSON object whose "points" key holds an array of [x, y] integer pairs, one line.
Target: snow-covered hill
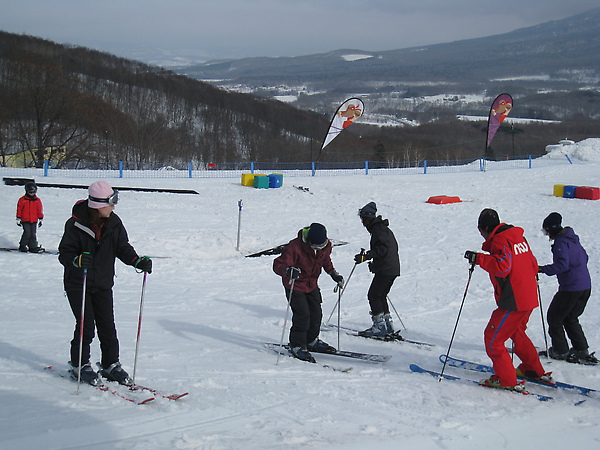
{"points": [[208, 309]]}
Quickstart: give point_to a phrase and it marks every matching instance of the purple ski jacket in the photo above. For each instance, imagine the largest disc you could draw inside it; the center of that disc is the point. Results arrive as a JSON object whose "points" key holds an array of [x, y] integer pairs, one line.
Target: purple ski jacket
{"points": [[569, 262]]}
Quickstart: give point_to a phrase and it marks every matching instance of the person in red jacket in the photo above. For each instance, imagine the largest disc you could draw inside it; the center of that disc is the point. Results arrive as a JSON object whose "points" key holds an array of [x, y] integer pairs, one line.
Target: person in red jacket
{"points": [[513, 269], [30, 213], [301, 261]]}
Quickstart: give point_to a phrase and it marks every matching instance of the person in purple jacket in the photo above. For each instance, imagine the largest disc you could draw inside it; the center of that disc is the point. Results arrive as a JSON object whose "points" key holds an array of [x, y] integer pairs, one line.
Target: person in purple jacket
{"points": [[569, 264]]}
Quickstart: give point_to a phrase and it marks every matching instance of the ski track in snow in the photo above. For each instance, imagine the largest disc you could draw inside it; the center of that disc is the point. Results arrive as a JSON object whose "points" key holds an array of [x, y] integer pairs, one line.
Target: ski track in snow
{"points": [[208, 311]]}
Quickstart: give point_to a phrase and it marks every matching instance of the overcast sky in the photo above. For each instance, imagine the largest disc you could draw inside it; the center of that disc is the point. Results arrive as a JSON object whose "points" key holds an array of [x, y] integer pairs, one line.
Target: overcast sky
{"points": [[241, 28]]}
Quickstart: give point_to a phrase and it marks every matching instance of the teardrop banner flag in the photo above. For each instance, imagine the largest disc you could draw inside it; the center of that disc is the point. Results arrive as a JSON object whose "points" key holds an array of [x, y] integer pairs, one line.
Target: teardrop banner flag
{"points": [[498, 112], [345, 116]]}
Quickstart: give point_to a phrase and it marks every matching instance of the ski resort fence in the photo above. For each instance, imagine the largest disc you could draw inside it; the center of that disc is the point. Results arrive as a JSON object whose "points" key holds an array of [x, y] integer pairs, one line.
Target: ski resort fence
{"points": [[124, 169]]}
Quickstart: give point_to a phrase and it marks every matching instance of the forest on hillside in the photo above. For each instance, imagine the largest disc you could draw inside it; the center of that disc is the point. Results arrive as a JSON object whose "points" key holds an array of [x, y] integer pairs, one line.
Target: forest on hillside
{"points": [[74, 106]]}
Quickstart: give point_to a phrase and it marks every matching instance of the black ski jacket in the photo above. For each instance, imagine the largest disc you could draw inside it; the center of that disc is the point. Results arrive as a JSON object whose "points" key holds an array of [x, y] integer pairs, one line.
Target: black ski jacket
{"points": [[383, 249], [111, 243]]}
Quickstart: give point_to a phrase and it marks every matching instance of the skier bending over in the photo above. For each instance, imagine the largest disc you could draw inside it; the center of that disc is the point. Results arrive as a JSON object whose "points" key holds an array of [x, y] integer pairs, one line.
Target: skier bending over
{"points": [[569, 264], [385, 265], [94, 236], [301, 262], [513, 270]]}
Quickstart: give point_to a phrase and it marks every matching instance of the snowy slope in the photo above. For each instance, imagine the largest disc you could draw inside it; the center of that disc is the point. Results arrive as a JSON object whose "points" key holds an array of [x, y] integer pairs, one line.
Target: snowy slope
{"points": [[208, 310]]}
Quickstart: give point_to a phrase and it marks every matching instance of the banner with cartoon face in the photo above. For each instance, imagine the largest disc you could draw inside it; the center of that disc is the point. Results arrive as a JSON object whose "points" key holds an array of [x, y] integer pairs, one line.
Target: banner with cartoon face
{"points": [[345, 116], [498, 112]]}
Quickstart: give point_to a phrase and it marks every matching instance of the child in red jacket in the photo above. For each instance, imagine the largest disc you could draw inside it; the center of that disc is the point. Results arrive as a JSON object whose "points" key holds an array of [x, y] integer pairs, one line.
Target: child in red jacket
{"points": [[30, 213]]}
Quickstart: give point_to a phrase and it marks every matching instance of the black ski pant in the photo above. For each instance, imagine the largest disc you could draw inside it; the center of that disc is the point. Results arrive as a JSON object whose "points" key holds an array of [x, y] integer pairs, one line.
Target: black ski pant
{"points": [[306, 317], [563, 316], [378, 292], [29, 236], [98, 314]]}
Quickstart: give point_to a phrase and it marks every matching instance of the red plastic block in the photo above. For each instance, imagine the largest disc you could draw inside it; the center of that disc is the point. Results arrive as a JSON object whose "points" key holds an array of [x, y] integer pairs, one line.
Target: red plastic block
{"points": [[587, 192], [443, 199]]}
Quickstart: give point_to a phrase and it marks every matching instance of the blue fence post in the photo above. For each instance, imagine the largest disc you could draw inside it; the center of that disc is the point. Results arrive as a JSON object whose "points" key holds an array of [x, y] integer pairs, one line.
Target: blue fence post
{"points": [[530, 159], [425, 167], [366, 167], [312, 168], [482, 164], [45, 167], [120, 169], [252, 167], [568, 159], [189, 169]]}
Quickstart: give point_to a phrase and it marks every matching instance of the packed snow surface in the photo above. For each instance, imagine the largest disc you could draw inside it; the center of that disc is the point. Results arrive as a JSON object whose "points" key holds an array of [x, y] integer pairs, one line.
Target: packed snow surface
{"points": [[208, 310]]}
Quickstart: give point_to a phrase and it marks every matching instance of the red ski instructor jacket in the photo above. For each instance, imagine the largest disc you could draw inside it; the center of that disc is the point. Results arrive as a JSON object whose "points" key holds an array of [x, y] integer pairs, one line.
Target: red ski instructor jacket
{"points": [[512, 268]]}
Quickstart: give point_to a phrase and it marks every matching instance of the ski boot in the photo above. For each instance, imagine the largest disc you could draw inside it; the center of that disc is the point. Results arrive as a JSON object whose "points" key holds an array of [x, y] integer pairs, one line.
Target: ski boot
{"points": [[36, 249], [581, 357], [87, 374], [378, 329], [318, 346], [531, 375], [494, 382], [554, 354], [23, 248], [302, 353], [115, 372], [389, 323]]}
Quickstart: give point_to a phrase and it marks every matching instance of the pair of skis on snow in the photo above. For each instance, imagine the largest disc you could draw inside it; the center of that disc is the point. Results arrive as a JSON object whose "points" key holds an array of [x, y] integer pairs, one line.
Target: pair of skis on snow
{"points": [[138, 394], [482, 368], [388, 338], [285, 349]]}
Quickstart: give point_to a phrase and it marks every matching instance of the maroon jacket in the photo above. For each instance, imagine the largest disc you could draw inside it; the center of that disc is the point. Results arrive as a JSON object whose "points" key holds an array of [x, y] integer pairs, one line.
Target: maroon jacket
{"points": [[29, 209], [299, 254]]}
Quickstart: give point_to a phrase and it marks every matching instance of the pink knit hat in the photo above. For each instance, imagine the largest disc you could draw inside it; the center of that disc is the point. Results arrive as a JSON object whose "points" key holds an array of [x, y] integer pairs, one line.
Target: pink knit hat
{"points": [[100, 195]]}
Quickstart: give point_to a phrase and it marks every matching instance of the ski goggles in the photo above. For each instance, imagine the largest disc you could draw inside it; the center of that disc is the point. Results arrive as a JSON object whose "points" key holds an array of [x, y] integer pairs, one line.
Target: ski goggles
{"points": [[320, 246], [111, 200]]}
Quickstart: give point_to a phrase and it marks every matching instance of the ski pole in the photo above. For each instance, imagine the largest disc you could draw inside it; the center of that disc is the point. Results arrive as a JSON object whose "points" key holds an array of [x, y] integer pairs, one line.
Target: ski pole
{"points": [[398, 315], [240, 204], [542, 314], [139, 329], [287, 311], [457, 318], [82, 317], [339, 318], [342, 291]]}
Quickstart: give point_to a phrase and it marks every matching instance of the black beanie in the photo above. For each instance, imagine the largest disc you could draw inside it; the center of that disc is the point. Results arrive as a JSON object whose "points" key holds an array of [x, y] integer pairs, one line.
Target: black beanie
{"points": [[488, 218], [369, 210], [552, 223], [317, 234]]}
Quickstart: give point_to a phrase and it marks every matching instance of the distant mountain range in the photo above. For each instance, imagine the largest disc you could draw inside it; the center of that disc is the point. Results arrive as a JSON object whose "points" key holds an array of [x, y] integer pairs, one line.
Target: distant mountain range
{"points": [[557, 55]]}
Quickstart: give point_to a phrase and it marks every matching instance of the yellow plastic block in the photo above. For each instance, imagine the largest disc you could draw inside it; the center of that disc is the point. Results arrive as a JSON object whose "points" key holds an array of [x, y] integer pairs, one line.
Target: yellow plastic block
{"points": [[559, 190], [248, 179]]}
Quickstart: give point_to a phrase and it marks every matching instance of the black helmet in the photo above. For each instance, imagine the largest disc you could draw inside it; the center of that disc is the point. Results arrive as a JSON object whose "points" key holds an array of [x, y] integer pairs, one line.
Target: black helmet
{"points": [[30, 188]]}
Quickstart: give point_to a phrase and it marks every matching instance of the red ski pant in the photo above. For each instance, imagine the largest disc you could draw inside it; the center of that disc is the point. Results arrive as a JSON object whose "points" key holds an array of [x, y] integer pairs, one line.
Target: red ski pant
{"points": [[504, 325]]}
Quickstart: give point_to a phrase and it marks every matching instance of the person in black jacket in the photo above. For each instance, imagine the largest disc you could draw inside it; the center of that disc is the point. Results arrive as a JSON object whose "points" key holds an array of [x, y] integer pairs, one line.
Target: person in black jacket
{"points": [[93, 238], [385, 265]]}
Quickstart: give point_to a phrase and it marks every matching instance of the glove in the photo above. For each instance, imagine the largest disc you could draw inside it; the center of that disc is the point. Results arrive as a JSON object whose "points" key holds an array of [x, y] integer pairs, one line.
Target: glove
{"points": [[18, 222], [335, 276], [293, 272], [83, 261], [40, 223], [471, 256], [144, 264], [362, 256]]}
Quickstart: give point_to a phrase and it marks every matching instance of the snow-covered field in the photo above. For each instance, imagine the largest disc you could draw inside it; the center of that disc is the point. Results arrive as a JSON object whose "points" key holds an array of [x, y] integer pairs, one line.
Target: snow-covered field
{"points": [[208, 310]]}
